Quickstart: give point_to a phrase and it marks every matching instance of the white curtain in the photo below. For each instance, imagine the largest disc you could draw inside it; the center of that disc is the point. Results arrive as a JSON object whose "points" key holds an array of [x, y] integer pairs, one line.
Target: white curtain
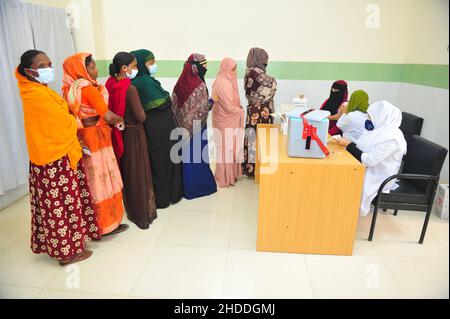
{"points": [[52, 36], [24, 26]]}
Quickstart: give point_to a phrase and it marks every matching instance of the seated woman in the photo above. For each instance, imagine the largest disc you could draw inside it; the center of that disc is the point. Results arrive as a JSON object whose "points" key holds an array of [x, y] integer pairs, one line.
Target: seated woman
{"points": [[354, 116], [88, 102], [381, 149], [62, 214], [131, 145], [338, 96], [191, 106]]}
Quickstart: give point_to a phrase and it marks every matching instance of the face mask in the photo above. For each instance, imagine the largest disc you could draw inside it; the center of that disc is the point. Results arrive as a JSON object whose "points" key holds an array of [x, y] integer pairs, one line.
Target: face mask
{"points": [[153, 69], [46, 75], [369, 125], [133, 74], [201, 71]]}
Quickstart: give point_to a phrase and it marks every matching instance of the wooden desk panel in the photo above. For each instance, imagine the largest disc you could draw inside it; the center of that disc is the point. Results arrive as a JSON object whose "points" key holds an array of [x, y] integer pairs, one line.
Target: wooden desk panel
{"points": [[309, 206]]}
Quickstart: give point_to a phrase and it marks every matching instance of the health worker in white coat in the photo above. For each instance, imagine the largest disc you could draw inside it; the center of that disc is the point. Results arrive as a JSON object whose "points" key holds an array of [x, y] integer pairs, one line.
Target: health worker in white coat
{"points": [[380, 149]]}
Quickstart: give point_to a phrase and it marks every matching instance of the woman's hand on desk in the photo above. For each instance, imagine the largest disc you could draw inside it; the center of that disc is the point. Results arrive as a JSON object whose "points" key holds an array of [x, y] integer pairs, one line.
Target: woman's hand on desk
{"points": [[344, 142]]}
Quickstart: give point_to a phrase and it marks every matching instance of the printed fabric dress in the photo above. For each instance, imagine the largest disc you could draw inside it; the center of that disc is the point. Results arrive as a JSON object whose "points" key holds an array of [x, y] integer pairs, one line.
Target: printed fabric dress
{"points": [[260, 89]]}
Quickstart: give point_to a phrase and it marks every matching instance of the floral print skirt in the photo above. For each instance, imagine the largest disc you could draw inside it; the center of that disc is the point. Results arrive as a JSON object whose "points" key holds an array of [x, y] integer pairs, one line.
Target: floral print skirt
{"points": [[255, 114], [62, 214]]}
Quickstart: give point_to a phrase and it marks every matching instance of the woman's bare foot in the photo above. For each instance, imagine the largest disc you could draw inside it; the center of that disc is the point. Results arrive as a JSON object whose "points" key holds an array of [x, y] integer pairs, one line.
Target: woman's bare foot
{"points": [[77, 258]]}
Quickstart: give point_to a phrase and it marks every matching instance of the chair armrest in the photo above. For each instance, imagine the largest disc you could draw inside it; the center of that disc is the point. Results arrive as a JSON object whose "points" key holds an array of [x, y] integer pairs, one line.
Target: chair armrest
{"points": [[405, 176]]}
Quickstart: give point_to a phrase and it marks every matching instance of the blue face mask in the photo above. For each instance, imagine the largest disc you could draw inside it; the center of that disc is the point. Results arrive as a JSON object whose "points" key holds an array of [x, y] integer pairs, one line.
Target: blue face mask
{"points": [[153, 69], [369, 125]]}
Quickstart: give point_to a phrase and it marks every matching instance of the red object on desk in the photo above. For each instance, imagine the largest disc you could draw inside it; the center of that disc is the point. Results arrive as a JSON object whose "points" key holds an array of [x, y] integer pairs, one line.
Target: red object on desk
{"points": [[310, 133]]}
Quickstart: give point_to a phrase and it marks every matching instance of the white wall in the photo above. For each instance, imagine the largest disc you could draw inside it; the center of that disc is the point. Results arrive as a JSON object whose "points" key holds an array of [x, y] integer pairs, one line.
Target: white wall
{"points": [[291, 30], [428, 33]]}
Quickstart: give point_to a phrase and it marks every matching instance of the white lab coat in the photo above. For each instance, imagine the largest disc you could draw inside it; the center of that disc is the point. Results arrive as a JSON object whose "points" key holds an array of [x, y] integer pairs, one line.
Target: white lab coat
{"points": [[383, 150], [352, 125]]}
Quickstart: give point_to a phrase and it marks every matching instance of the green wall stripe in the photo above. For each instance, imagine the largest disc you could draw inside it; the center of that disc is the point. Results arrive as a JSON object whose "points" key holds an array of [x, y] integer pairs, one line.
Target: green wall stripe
{"points": [[426, 74], [422, 74]]}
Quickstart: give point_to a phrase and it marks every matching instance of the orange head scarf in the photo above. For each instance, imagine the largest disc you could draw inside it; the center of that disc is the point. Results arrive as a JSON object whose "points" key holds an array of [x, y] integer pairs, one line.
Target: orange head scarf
{"points": [[75, 78], [50, 130]]}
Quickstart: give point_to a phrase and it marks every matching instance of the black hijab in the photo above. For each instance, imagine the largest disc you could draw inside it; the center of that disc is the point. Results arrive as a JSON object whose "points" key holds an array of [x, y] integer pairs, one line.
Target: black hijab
{"points": [[336, 98]]}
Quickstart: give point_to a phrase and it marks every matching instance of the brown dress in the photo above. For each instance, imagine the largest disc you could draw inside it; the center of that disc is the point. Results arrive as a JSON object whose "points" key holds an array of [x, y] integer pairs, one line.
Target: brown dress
{"points": [[260, 89], [139, 199]]}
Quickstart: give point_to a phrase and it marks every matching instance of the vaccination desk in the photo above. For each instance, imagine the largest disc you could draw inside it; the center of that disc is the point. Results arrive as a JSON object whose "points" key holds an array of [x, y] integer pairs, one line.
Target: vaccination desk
{"points": [[307, 206]]}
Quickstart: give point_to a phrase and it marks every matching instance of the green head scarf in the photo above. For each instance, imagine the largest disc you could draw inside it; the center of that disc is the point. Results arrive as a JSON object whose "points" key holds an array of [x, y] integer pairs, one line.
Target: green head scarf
{"points": [[150, 90], [359, 101]]}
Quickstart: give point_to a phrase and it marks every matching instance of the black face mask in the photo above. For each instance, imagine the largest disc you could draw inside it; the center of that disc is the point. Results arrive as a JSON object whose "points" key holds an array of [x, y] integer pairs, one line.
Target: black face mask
{"points": [[201, 71], [335, 99]]}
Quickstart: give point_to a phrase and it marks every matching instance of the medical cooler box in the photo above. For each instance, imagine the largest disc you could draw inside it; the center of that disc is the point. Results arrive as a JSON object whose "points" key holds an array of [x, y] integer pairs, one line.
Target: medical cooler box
{"points": [[308, 133]]}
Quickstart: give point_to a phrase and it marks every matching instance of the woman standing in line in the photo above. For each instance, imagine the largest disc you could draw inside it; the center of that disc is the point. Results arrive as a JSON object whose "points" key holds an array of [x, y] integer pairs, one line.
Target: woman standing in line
{"points": [[62, 214], [228, 119], [260, 89], [159, 123], [132, 152], [191, 106], [87, 101]]}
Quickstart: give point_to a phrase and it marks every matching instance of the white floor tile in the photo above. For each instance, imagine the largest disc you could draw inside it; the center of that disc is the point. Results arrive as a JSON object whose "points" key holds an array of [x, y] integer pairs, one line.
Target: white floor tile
{"points": [[246, 198], [266, 275], [399, 236], [363, 247], [182, 272], [197, 228], [221, 201], [151, 235], [112, 269], [16, 218], [19, 266], [354, 277], [17, 292], [244, 229], [7, 239], [421, 278], [67, 294]]}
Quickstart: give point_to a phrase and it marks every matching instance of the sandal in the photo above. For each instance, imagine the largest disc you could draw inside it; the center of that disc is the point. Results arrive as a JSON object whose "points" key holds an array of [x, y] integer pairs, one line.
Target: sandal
{"points": [[120, 229], [79, 257]]}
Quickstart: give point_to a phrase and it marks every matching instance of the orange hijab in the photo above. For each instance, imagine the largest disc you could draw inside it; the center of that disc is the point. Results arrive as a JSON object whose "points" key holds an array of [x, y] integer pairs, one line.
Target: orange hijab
{"points": [[50, 130], [75, 78]]}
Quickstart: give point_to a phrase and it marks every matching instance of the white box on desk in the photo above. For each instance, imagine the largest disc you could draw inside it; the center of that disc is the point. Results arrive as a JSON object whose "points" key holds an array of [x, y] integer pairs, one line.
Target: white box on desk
{"points": [[296, 144], [440, 206]]}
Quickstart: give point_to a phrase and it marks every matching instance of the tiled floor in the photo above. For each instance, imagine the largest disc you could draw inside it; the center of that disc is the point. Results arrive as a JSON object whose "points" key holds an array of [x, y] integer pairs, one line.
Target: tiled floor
{"points": [[206, 249]]}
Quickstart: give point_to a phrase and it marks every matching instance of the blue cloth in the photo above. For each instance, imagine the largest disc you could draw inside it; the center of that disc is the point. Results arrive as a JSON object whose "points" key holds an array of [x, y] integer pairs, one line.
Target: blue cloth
{"points": [[197, 176]]}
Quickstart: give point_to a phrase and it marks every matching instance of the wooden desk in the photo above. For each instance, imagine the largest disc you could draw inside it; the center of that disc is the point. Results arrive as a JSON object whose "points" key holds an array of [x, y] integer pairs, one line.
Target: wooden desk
{"points": [[308, 206]]}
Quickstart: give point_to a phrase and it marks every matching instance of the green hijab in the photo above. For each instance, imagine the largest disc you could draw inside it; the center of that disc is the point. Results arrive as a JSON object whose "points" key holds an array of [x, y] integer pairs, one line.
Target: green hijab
{"points": [[359, 101], [150, 90]]}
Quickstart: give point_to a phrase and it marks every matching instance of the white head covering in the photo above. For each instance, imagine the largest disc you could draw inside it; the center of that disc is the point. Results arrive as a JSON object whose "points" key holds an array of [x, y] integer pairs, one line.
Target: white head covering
{"points": [[386, 119]]}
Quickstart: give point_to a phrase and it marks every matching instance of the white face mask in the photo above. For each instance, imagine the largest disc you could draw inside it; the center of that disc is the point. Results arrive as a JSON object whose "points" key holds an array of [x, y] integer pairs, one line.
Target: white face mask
{"points": [[153, 69], [133, 74], [46, 75]]}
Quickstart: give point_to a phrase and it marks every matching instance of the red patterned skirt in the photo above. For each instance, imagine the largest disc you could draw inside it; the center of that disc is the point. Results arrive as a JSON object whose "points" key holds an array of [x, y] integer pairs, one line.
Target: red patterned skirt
{"points": [[63, 217]]}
